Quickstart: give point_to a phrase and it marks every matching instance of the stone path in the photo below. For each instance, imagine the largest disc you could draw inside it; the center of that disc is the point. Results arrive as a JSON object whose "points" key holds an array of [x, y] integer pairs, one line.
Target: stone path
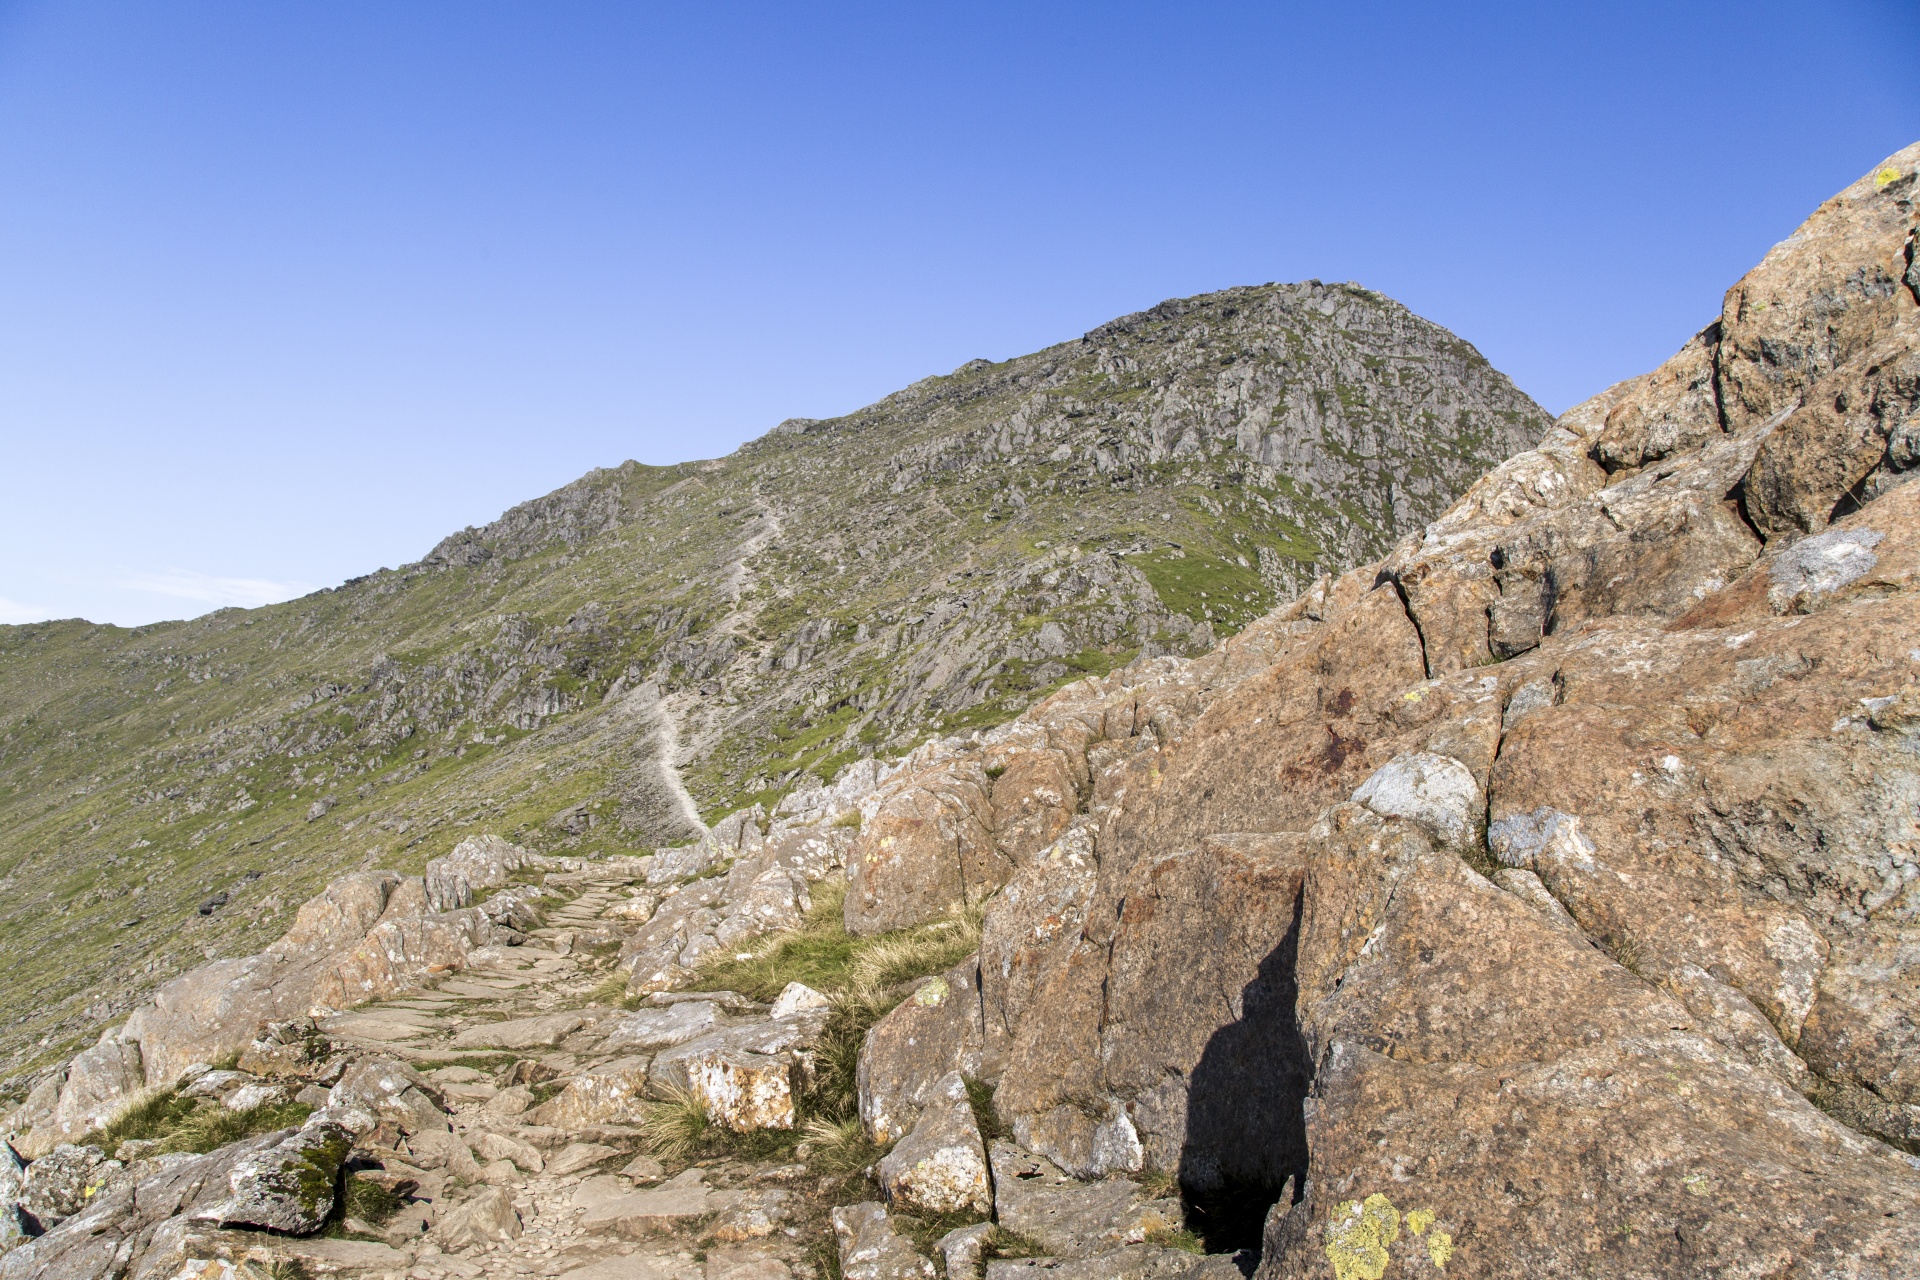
{"points": [[587, 1202]]}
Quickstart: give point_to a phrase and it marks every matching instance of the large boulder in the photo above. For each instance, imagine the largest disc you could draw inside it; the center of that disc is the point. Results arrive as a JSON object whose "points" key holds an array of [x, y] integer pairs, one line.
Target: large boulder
{"points": [[941, 1167], [99, 1082], [743, 1090], [402, 1102], [928, 846], [62, 1183], [291, 1185], [488, 1218], [761, 1045], [906, 1054]]}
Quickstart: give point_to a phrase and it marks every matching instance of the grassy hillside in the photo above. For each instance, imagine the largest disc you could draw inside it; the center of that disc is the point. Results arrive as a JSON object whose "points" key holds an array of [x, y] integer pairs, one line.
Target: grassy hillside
{"points": [[836, 589]]}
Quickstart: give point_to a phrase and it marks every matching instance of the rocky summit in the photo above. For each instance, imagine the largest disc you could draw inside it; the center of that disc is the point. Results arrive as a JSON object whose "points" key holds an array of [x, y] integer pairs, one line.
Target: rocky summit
{"points": [[1534, 893]]}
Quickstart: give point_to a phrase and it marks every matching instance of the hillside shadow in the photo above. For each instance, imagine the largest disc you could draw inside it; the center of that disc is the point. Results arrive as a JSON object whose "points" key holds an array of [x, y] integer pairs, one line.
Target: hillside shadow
{"points": [[1246, 1125]]}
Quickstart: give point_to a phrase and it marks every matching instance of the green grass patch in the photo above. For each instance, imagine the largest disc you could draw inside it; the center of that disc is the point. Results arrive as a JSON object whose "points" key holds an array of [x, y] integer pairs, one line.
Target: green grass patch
{"points": [[980, 1098], [363, 1199], [862, 976], [192, 1125], [1203, 587]]}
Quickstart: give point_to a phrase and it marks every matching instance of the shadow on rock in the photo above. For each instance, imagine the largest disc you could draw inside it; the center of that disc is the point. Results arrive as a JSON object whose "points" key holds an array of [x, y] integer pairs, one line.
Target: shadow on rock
{"points": [[1246, 1127]]}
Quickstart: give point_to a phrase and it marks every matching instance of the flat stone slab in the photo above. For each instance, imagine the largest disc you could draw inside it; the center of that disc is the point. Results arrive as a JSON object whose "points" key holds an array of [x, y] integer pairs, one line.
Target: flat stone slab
{"points": [[637, 1266], [470, 989], [318, 1256], [663, 1028], [380, 1029], [1035, 1199], [645, 1212], [521, 1033]]}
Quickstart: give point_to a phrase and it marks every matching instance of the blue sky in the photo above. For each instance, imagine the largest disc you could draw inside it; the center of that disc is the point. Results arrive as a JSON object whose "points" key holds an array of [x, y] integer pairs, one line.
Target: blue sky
{"points": [[289, 291]]}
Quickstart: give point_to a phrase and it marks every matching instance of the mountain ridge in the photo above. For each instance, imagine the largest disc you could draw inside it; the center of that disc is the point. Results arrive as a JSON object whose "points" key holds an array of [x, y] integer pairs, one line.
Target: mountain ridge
{"points": [[928, 563]]}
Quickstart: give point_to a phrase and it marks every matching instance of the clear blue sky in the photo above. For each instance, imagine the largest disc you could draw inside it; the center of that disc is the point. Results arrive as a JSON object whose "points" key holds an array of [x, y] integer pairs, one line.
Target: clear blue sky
{"points": [[290, 290]]}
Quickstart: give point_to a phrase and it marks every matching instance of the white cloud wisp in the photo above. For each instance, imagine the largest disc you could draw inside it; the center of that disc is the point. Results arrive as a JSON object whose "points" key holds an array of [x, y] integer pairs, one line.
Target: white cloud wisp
{"points": [[210, 589]]}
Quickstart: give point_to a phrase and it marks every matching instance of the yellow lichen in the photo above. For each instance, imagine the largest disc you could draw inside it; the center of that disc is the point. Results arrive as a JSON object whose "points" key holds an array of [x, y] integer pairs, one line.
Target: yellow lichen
{"points": [[1357, 1237], [1440, 1249], [1419, 1220], [1886, 177]]}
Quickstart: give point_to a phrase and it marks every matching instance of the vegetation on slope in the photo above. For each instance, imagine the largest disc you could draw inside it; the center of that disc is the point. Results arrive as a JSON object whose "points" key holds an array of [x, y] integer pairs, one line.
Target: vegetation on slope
{"points": [[928, 564]]}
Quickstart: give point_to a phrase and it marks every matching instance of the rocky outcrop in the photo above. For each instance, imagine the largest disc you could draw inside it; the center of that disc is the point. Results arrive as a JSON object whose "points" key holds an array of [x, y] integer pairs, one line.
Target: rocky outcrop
{"points": [[1574, 930], [363, 937], [478, 862]]}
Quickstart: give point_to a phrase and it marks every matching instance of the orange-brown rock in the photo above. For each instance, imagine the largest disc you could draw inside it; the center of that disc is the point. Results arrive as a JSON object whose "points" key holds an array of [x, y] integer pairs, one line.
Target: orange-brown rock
{"points": [[928, 846], [1494, 1096]]}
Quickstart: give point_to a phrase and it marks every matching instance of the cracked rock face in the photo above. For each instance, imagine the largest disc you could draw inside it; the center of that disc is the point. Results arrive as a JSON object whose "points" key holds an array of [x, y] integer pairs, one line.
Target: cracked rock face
{"points": [[941, 1167], [290, 1186]]}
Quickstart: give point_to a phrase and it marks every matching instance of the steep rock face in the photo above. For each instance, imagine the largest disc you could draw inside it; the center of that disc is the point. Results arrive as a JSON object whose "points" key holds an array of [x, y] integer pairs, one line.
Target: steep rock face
{"points": [[1596, 806]]}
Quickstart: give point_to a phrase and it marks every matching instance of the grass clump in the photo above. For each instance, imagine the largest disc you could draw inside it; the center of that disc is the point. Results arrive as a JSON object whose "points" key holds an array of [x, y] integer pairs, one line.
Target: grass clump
{"points": [[192, 1125], [612, 990], [678, 1131], [1177, 1238], [362, 1199], [838, 1146], [677, 1127], [864, 978], [824, 956]]}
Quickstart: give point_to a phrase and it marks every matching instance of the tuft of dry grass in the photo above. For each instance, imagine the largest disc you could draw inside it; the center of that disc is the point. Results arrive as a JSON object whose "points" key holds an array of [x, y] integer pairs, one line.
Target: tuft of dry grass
{"points": [[863, 977], [837, 1146], [675, 1128]]}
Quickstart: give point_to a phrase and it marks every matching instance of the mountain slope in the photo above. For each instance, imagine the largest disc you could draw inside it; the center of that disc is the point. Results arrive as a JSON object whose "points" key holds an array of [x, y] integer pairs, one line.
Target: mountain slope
{"points": [[601, 666]]}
